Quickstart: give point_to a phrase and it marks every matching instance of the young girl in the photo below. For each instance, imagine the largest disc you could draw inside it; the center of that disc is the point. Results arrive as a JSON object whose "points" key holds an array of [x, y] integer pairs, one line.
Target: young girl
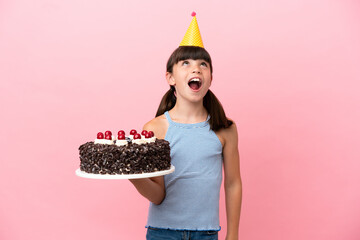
{"points": [[185, 203]]}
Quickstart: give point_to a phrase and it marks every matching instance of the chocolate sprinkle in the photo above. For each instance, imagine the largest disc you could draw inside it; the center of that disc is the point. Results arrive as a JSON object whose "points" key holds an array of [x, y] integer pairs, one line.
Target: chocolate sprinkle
{"points": [[130, 159]]}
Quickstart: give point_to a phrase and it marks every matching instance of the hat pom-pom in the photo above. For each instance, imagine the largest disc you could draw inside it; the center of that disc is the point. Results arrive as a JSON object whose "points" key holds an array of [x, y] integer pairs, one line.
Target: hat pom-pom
{"points": [[193, 14]]}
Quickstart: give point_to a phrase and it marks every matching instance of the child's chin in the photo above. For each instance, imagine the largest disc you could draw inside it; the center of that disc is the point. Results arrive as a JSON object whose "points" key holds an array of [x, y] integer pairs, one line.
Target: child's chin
{"points": [[196, 99]]}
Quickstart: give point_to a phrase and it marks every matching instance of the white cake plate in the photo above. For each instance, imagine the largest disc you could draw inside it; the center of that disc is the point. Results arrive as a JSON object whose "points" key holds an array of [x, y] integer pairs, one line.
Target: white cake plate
{"points": [[83, 174]]}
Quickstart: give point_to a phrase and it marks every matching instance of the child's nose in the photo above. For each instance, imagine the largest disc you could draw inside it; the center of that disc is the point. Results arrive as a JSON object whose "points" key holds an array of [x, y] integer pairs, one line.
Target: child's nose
{"points": [[196, 69]]}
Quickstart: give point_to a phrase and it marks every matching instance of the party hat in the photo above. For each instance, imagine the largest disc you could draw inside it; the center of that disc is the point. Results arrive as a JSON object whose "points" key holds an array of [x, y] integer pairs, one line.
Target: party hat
{"points": [[192, 36]]}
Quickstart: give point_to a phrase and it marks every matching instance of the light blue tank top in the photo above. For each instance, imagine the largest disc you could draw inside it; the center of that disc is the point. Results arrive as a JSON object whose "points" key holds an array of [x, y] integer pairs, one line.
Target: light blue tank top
{"points": [[193, 190]]}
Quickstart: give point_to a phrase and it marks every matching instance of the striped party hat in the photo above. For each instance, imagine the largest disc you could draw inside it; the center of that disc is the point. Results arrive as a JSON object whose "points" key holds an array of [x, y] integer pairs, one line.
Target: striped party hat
{"points": [[192, 36]]}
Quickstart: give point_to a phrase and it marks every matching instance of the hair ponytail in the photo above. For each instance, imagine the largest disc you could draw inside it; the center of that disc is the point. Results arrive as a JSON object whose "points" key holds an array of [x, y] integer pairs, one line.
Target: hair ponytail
{"points": [[167, 102], [218, 119]]}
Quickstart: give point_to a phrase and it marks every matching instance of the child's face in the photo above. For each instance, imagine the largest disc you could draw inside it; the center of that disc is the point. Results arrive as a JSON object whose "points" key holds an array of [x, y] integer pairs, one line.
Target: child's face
{"points": [[191, 79]]}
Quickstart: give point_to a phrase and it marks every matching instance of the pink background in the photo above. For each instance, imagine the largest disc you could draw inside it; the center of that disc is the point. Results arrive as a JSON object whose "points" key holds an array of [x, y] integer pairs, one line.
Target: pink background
{"points": [[286, 71]]}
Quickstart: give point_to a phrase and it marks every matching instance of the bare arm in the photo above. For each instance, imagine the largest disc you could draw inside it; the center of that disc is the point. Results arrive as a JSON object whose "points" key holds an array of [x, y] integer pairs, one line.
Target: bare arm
{"points": [[153, 188], [232, 182]]}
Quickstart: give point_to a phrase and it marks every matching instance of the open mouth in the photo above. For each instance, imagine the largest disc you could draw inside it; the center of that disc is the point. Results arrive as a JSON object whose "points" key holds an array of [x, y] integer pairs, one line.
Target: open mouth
{"points": [[195, 83]]}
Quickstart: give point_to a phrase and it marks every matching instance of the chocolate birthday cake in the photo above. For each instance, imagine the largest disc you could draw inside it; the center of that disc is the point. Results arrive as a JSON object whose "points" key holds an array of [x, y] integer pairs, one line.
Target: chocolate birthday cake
{"points": [[133, 154]]}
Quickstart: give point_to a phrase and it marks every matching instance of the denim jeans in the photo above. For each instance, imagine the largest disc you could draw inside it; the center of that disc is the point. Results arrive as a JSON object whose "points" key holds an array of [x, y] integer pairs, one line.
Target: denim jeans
{"points": [[166, 234]]}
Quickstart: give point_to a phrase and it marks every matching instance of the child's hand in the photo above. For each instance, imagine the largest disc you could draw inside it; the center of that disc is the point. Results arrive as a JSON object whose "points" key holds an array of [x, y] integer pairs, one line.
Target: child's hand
{"points": [[231, 238]]}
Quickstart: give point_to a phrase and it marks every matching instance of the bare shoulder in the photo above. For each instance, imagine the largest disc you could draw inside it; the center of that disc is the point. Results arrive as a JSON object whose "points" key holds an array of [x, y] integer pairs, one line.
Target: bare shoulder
{"points": [[228, 135], [158, 125]]}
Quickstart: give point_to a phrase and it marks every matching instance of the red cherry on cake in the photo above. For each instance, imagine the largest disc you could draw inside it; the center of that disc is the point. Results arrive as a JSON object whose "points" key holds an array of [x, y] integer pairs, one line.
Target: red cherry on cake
{"points": [[100, 135], [121, 132], [108, 137], [144, 132], [151, 133], [133, 132], [108, 133], [137, 136], [147, 135], [121, 137]]}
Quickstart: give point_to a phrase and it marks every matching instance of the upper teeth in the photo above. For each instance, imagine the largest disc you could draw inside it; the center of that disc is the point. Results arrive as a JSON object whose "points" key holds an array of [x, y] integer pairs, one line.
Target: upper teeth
{"points": [[195, 80]]}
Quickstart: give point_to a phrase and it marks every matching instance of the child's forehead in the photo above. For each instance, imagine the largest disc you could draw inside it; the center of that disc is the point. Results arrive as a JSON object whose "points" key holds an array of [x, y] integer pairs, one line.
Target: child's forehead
{"points": [[198, 59]]}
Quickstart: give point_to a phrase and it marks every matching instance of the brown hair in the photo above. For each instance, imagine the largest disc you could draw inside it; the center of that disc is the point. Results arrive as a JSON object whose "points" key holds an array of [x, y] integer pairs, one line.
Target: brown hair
{"points": [[213, 106]]}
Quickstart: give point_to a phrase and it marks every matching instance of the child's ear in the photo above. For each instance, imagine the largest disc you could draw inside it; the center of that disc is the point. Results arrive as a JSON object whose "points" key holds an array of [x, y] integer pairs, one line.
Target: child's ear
{"points": [[170, 79]]}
